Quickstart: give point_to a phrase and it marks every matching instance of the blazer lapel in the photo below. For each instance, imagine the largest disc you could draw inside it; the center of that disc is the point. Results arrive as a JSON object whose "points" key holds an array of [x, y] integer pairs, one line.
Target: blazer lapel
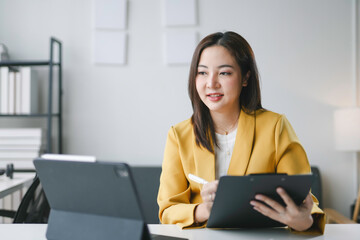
{"points": [[243, 145], [204, 163]]}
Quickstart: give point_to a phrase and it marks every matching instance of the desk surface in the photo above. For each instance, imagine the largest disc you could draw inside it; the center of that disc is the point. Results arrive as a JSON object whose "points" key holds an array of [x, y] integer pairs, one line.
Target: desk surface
{"points": [[332, 231], [20, 180]]}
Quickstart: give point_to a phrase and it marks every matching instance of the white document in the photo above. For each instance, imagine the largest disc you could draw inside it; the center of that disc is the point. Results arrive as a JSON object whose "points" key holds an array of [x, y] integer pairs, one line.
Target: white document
{"points": [[179, 47], [110, 14], [110, 47], [180, 13]]}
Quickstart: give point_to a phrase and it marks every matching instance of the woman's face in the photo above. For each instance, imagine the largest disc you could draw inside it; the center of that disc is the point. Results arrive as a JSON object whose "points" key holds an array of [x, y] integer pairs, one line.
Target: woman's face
{"points": [[219, 81]]}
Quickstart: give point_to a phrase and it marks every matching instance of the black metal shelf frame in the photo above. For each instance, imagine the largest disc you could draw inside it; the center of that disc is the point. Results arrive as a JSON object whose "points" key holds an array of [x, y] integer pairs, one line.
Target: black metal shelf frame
{"points": [[26, 63], [49, 115], [37, 115]]}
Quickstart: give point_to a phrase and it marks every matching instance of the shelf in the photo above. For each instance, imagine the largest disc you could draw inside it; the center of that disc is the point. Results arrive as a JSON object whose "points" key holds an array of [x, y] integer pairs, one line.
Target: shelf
{"points": [[51, 64], [27, 63], [29, 115]]}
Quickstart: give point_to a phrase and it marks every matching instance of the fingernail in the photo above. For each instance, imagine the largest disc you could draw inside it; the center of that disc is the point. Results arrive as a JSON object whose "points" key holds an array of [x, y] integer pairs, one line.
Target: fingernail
{"points": [[258, 197], [252, 203]]}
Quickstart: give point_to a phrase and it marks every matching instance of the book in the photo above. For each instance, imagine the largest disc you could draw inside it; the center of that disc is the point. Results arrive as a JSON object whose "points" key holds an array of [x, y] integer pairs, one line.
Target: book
{"points": [[29, 91], [19, 154], [11, 96], [24, 141], [19, 147], [20, 132], [18, 93], [4, 90]]}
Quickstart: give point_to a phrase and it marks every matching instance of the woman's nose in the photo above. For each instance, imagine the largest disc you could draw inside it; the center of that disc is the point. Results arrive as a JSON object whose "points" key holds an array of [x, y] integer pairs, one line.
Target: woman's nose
{"points": [[212, 81]]}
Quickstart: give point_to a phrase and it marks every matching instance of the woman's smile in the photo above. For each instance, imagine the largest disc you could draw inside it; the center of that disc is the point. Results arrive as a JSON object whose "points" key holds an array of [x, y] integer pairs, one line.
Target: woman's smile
{"points": [[215, 97]]}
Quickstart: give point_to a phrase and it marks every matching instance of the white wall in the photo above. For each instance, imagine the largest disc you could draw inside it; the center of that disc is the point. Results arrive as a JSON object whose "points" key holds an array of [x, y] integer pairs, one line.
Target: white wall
{"points": [[304, 52]]}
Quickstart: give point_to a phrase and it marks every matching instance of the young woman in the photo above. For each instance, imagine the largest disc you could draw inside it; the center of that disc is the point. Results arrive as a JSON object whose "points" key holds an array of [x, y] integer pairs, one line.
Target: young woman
{"points": [[230, 133]]}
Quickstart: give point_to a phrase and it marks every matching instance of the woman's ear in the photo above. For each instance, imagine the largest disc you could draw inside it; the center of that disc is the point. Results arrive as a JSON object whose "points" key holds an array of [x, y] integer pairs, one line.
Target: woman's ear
{"points": [[246, 78]]}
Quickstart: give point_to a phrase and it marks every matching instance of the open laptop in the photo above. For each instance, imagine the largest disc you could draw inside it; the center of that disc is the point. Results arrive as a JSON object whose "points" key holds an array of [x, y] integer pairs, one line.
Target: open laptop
{"points": [[88, 201]]}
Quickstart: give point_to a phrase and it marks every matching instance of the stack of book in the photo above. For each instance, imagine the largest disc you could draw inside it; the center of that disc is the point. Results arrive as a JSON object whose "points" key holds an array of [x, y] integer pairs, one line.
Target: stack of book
{"points": [[20, 146], [18, 91]]}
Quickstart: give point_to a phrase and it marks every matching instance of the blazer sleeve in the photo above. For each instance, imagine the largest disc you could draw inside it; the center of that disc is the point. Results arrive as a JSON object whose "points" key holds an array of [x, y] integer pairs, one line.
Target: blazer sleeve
{"points": [[291, 159], [174, 191]]}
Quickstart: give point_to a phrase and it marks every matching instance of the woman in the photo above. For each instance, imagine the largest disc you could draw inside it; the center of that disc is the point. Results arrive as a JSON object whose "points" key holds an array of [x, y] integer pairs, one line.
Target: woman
{"points": [[229, 133]]}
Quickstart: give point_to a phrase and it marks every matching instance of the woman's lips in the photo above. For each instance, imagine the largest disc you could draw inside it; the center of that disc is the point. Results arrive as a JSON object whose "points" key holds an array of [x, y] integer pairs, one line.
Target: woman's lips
{"points": [[215, 96]]}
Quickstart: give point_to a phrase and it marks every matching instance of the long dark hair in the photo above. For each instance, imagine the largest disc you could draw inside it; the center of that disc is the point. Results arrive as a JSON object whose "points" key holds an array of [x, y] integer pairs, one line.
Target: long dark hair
{"points": [[249, 100]]}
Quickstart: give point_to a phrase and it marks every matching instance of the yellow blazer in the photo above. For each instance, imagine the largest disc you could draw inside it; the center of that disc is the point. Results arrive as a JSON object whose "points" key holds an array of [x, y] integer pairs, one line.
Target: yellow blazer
{"points": [[264, 144]]}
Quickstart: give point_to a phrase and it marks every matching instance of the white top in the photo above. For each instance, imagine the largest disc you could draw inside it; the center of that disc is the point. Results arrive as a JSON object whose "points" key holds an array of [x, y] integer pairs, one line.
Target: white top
{"points": [[223, 153]]}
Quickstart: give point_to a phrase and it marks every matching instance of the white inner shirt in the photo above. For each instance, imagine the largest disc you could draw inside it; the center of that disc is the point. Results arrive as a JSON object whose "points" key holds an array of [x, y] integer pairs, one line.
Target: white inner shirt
{"points": [[223, 153]]}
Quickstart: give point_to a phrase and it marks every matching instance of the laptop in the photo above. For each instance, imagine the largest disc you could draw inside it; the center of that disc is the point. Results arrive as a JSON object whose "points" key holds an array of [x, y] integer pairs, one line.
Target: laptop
{"points": [[232, 209], [91, 200]]}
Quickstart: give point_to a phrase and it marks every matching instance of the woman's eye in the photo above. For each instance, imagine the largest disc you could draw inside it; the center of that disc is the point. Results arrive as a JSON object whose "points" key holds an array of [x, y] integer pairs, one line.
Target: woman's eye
{"points": [[201, 73], [225, 73]]}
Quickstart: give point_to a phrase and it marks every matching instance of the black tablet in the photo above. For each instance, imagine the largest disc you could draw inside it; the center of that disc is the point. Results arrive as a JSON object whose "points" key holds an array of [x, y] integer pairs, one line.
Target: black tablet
{"points": [[92, 200], [232, 208]]}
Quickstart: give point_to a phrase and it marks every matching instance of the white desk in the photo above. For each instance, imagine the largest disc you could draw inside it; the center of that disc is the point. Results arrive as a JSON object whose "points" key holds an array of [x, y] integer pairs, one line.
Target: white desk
{"points": [[20, 180], [332, 231]]}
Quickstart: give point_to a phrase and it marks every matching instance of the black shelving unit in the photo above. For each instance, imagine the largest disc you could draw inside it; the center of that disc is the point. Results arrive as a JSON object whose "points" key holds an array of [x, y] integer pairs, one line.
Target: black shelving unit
{"points": [[49, 115]]}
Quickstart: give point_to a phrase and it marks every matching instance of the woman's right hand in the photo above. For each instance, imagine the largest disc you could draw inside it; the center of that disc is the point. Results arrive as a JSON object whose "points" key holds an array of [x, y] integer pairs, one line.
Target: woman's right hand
{"points": [[208, 192]]}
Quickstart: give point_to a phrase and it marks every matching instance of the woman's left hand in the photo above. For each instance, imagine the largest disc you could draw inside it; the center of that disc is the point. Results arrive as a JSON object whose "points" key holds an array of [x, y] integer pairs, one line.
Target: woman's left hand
{"points": [[296, 217]]}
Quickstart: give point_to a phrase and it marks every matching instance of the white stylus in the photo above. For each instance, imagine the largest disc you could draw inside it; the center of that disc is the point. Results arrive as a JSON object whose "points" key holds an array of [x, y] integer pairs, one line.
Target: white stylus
{"points": [[197, 179]]}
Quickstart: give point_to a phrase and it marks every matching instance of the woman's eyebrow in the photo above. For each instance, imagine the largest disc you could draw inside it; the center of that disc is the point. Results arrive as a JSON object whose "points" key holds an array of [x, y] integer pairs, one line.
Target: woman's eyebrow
{"points": [[225, 65], [221, 66]]}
